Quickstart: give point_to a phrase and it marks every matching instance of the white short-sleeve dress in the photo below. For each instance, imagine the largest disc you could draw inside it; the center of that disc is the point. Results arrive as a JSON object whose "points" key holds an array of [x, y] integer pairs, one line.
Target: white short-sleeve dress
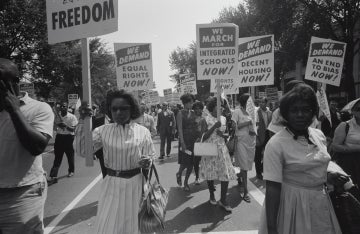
{"points": [[301, 168]]}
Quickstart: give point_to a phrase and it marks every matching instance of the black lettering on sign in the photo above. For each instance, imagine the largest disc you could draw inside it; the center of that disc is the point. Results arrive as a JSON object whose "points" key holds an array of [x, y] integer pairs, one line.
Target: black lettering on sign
{"points": [[83, 15]]}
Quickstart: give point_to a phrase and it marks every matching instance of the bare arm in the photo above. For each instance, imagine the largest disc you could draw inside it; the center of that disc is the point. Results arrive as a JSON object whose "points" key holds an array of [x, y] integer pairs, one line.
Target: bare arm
{"points": [[339, 139], [272, 201], [180, 130]]}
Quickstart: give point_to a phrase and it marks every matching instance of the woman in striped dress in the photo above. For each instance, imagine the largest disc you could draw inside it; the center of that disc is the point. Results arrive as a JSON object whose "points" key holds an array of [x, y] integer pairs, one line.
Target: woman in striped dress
{"points": [[127, 148]]}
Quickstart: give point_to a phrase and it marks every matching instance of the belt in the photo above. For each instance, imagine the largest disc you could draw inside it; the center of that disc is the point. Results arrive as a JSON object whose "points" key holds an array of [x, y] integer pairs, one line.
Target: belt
{"points": [[123, 174]]}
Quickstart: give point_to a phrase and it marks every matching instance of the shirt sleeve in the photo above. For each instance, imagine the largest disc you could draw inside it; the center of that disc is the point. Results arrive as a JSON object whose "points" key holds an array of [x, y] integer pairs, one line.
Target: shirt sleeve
{"points": [[148, 148], [273, 161], [235, 116], [44, 119]]}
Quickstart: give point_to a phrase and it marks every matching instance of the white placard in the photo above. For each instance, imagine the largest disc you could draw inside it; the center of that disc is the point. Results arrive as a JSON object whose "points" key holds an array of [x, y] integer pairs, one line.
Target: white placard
{"points": [[27, 87], [72, 100], [325, 61], [167, 95], [323, 102], [134, 66], [256, 61], [228, 86], [217, 51], [75, 19], [188, 83]]}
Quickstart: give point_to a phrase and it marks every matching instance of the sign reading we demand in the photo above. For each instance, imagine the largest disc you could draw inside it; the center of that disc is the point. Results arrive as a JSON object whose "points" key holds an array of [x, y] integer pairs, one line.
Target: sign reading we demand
{"points": [[256, 61], [133, 66], [325, 61], [217, 50], [70, 20]]}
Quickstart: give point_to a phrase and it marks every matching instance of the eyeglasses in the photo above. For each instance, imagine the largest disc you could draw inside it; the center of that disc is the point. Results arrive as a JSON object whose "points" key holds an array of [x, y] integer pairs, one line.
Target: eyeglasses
{"points": [[120, 108]]}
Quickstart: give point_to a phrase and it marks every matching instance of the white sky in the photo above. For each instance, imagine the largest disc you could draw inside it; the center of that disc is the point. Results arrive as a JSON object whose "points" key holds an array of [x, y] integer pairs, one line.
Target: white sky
{"points": [[166, 24]]}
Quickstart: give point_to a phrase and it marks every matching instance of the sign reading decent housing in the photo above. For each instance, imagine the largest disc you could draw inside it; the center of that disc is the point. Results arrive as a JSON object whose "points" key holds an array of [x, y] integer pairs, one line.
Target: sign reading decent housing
{"points": [[188, 83], [133, 66], [325, 61], [256, 61], [70, 20], [217, 50]]}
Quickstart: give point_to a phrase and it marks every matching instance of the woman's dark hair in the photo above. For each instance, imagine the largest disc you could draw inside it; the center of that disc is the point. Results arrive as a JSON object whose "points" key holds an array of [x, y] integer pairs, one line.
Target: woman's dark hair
{"points": [[243, 99], [113, 94], [301, 92], [198, 104], [211, 104], [186, 98]]}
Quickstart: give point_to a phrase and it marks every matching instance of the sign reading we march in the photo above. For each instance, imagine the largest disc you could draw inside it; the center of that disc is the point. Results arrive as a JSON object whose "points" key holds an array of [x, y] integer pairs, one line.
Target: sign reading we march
{"points": [[217, 50], [133, 66], [75, 19], [325, 61], [256, 61]]}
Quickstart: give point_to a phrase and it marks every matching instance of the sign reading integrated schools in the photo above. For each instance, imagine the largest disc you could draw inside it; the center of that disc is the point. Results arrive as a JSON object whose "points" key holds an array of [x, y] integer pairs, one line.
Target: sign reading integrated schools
{"points": [[133, 66], [188, 83], [256, 61], [325, 61], [70, 20], [217, 51]]}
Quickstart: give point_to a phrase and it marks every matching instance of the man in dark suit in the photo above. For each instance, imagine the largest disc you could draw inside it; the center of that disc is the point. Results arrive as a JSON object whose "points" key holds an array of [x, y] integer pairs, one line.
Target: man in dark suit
{"points": [[165, 127], [263, 119]]}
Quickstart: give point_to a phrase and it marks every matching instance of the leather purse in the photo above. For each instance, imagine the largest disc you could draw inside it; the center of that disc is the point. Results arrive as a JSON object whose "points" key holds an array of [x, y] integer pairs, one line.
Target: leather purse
{"points": [[205, 149], [153, 205]]}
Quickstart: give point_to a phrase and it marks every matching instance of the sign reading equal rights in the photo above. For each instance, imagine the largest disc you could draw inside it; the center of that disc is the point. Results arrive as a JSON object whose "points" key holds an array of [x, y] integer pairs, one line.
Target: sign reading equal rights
{"points": [[133, 66]]}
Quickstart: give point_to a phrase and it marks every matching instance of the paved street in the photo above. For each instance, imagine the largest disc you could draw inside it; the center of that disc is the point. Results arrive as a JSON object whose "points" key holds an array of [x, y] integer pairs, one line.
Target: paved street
{"points": [[72, 202]]}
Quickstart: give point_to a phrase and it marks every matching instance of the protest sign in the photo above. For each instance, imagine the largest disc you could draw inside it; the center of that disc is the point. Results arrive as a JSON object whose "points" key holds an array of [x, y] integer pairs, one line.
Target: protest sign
{"points": [[27, 87], [323, 102], [272, 94], [175, 98], [188, 83], [256, 61], [72, 100], [325, 61], [151, 97], [227, 85], [133, 66], [70, 20], [216, 50], [262, 94], [167, 95]]}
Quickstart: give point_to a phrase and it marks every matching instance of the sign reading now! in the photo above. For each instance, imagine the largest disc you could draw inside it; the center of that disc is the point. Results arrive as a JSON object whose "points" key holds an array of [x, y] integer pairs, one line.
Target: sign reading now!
{"points": [[217, 50], [256, 61], [75, 19], [133, 66], [325, 61]]}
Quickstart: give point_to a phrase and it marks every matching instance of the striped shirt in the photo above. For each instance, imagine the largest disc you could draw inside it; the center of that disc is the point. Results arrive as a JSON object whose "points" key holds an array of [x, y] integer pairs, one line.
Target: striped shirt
{"points": [[122, 146]]}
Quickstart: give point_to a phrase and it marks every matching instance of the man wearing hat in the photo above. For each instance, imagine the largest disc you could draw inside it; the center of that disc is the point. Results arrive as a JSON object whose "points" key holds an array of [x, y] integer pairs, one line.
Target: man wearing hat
{"points": [[165, 127], [26, 125]]}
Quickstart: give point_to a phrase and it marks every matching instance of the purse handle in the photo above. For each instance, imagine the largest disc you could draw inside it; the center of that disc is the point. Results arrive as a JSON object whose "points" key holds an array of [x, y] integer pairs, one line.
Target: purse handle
{"points": [[153, 168]]}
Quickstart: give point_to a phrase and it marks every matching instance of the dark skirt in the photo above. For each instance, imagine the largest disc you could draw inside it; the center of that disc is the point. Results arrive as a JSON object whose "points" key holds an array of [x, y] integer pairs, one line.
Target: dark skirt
{"points": [[189, 137], [350, 163]]}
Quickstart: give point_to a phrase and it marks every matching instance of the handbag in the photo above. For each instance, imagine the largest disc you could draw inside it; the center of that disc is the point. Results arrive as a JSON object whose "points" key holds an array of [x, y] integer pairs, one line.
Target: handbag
{"points": [[231, 144], [205, 149], [347, 209], [152, 207]]}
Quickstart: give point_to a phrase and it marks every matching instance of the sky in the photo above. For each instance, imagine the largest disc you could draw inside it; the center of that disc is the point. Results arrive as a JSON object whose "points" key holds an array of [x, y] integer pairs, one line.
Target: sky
{"points": [[166, 24]]}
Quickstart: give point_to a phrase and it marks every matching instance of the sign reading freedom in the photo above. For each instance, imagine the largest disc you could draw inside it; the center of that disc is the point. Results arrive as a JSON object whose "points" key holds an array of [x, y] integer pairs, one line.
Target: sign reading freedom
{"points": [[217, 51], [71, 20]]}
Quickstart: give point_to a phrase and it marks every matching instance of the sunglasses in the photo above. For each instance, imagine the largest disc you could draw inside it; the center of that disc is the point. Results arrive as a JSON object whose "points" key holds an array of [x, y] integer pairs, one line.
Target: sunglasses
{"points": [[120, 108]]}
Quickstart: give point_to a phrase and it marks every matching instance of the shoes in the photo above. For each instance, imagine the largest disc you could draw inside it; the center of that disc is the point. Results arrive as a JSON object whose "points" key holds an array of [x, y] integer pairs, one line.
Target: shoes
{"points": [[168, 156], [212, 201], [246, 198], [161, 157], [224, 206], [178, 179], [197, 181], [71, 174], [52, 180], [259, 176], [186, 188]]}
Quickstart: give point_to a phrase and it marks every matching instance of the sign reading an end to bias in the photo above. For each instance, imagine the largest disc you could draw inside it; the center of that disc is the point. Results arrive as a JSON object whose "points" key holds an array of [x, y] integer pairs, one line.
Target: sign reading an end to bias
{"points": [[133, 66], [188, 83], [256, 61], [325, 61], [217, 50], [69, 19]]}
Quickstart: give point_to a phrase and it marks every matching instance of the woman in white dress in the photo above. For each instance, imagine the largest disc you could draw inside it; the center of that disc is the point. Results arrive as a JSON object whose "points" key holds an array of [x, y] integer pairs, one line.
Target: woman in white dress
{"points": [[245, 146], [217, 167], [127, 149], [295, 169]]}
